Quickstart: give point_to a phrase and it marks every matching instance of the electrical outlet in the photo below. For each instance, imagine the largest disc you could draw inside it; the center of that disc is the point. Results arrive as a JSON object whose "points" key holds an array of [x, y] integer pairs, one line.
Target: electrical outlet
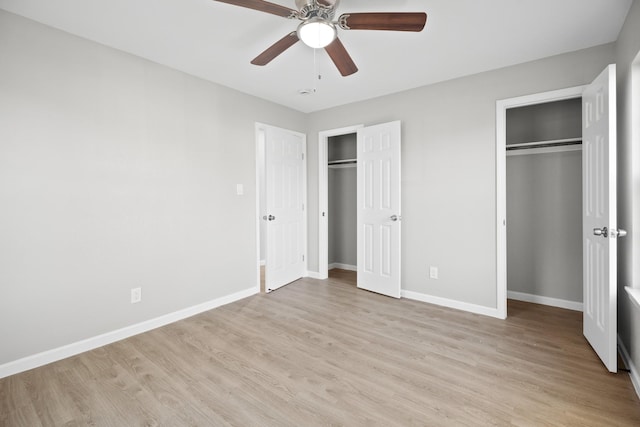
{"points": [[433, 272], [136, 295], [239, 189]]}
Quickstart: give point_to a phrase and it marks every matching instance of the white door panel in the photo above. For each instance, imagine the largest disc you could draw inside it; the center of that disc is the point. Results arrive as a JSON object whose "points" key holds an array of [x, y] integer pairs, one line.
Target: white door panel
{"points": [[284, 161], [379, 213], [599, 216]]}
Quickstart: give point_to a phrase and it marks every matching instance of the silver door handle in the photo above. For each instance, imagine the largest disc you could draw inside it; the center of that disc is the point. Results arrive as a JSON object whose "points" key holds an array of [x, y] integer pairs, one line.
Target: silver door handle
{"points": [[601, 232], [269, 218], [395, 218], [620, 232]]}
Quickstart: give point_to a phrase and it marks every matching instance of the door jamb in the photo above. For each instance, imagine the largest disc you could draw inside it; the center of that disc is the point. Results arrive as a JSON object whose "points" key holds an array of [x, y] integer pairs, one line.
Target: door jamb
{"points": [[501, 179], [260, 140], [323, 195]]}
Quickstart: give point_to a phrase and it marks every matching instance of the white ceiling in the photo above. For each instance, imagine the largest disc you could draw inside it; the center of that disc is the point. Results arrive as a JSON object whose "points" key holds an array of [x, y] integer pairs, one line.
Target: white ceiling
{"points": [[216, 41]]}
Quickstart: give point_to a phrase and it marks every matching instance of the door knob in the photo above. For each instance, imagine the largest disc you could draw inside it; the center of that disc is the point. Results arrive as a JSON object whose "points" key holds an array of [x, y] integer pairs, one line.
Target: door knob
{"points": [[395, 217], [618, 233], [601, 232], [271, 217]]}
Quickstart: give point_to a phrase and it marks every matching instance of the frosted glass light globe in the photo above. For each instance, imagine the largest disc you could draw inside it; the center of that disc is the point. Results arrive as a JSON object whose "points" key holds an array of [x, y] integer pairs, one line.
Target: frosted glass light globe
{"points": [[317, 33]]}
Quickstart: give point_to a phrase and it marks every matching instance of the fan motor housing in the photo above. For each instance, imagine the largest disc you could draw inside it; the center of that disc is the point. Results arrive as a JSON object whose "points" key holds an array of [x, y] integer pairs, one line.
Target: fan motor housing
{"points": [[313, 9]]}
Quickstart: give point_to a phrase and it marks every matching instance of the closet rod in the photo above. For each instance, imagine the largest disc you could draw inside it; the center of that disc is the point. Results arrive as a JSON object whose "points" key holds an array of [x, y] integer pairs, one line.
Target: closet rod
{"points": [[343, 162], [544, 144]]}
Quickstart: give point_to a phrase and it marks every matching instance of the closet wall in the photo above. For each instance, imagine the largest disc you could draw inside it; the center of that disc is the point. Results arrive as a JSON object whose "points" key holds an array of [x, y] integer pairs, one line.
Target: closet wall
{"points": [[544, 202], [342, 180]]}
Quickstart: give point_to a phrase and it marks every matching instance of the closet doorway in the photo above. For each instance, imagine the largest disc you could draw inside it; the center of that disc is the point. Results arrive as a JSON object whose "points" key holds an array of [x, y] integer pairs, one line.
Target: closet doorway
{"points": [[539, 199], [342, 193], [332, 140], [544, 203], [598, 216]]}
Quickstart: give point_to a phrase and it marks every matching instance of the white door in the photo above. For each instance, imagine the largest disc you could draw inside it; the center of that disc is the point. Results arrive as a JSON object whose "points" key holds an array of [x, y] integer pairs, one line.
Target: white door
{"points": [[379, 215], [284, 171], [599, 216]]}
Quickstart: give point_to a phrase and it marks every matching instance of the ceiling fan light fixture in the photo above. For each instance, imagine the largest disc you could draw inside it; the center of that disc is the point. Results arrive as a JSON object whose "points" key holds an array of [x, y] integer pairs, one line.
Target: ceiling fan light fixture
{"points": [[317, 32]]}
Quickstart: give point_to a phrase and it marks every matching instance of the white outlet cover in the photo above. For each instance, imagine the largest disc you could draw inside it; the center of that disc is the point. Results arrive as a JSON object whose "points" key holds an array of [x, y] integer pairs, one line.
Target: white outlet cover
{"points": [[136, 295], [433, 272], [240, 189]]}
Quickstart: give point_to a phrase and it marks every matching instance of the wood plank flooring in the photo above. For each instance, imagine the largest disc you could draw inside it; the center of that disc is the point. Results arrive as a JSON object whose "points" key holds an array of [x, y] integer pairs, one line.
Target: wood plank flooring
{"points": [[324, 353]]}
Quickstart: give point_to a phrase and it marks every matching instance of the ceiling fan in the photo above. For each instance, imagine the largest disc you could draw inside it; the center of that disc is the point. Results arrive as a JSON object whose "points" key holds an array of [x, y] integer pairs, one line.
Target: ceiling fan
{"points": [[319, 30]]}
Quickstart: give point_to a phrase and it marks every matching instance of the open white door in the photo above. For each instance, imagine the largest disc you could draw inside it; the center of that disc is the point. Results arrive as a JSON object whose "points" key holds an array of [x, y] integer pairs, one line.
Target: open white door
{"points": [[599, 222], [285, 215], [379, 215]]}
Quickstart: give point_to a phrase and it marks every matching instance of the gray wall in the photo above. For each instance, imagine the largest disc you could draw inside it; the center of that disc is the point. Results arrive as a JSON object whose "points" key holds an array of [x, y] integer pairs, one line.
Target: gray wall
{"points": [[544, 122], [544, 203], [448, 168], [116, 172], [342, 193], [544, 227], [343, 217], [342, 147], [628, 66]]}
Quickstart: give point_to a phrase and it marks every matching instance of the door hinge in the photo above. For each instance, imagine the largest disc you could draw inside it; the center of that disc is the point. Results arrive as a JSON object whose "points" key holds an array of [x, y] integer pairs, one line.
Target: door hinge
{"points": [[303, 206], [302, 156], [302, 257]]}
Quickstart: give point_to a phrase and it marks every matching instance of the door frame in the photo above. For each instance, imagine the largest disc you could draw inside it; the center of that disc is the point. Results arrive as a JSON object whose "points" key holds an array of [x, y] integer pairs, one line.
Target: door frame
{"points": [[501, 179], [260, 143], [323, 195]]}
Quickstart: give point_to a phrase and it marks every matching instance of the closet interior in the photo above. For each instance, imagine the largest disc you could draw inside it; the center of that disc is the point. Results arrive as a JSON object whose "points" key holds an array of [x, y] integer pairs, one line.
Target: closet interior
{"points": [[342, 192], [544, 202]]}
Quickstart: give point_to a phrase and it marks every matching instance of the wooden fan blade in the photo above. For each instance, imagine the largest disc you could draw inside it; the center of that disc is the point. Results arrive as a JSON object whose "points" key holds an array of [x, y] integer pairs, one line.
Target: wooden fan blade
{"points": [[383, 21], [276, 49], [341, 58], [262, 6]]}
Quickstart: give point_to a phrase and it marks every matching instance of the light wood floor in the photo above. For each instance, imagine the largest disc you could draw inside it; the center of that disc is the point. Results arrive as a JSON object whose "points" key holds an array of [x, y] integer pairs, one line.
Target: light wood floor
{"points": [[325, 353]]}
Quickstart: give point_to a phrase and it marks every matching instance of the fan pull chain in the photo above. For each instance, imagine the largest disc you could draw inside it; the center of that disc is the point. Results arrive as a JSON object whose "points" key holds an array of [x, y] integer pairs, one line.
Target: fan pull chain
{"points": [[316, 71]]}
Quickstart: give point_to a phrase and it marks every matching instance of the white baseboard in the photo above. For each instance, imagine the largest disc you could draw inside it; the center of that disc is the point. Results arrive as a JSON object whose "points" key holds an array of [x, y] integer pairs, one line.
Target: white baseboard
{"points": [[88, 344], [458, 305], [538, 299], [628, 361], [343, 266], [314, 275]]}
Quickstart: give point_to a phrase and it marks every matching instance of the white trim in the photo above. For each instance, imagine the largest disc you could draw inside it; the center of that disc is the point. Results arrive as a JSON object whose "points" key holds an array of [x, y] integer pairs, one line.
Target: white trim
{"points": [[634, 374], [343, 266], [449, 303], [314, 275], [501, 179], [56, 354], [323, 195], [539, 299], [259, 135]]}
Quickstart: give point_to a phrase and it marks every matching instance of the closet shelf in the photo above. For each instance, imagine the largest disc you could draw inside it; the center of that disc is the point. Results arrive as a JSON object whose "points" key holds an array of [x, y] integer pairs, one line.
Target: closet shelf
{"points": [[544, 144], [634, 294]]}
